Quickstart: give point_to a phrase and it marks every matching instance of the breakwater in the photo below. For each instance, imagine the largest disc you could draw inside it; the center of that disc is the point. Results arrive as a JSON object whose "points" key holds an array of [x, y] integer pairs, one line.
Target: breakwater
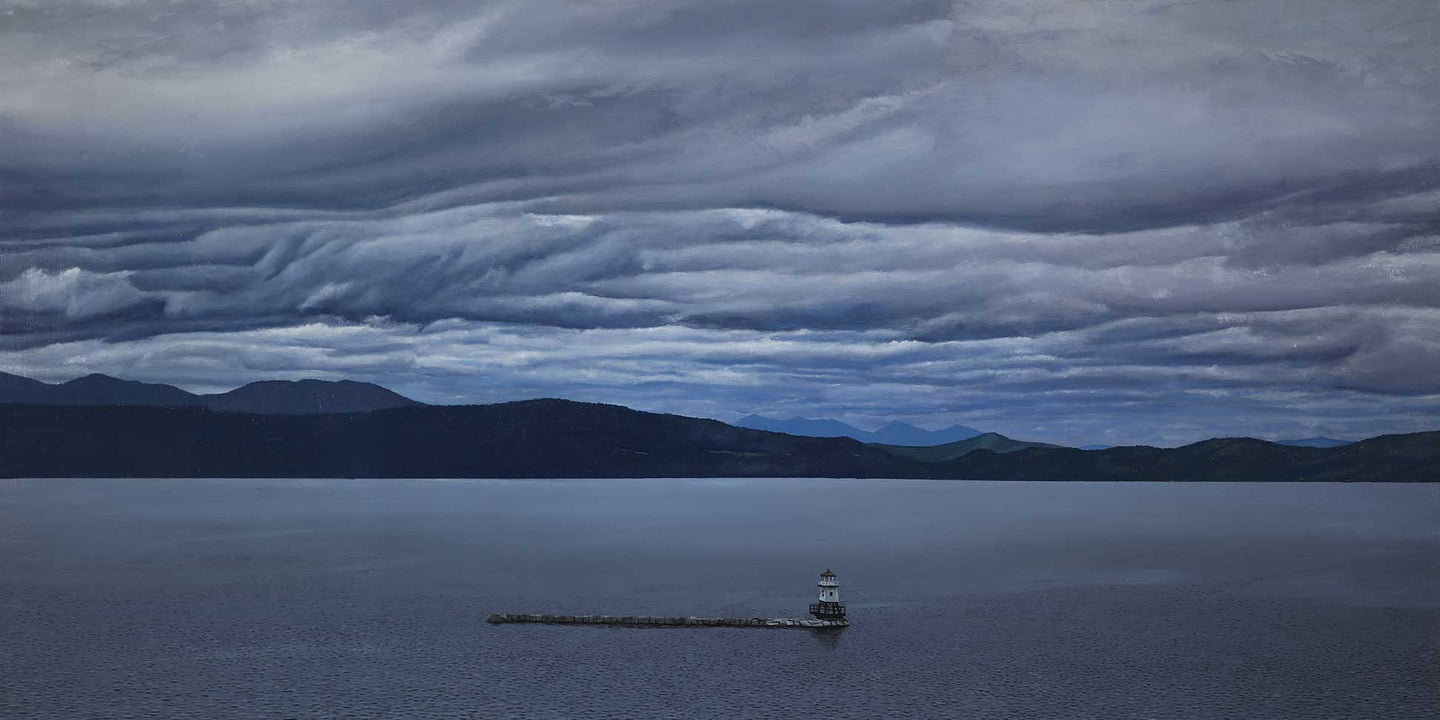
{"points": [[650, 621]]}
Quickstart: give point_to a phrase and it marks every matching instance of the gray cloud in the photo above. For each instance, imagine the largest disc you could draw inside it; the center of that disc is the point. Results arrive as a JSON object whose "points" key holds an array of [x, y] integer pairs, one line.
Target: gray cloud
{"points": [[1068, 220], [1044, 116]]}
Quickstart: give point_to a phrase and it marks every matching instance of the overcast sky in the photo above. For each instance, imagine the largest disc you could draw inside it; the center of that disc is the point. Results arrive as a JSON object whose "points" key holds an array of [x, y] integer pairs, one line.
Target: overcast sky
{"points": [[1086, 222]]}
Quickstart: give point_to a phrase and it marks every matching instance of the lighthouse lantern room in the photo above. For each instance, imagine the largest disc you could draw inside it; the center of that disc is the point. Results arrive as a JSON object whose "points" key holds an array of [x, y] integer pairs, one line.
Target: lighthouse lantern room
{"points": [[829, 607]]}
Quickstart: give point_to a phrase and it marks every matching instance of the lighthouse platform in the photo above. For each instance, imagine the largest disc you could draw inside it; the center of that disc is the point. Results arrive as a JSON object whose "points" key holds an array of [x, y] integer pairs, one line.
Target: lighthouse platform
{"points": [[652, 621]]}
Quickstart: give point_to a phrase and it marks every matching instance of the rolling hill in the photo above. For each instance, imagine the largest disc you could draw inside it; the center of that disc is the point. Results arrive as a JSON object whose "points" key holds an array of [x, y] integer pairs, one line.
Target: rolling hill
{"points": [[892, 433], [1318, 442], [994, 442]]}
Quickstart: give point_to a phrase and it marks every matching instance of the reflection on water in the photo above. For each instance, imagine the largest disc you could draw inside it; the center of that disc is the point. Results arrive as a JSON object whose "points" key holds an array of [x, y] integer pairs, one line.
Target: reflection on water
{"points": [[344, 598], [828, 639]]}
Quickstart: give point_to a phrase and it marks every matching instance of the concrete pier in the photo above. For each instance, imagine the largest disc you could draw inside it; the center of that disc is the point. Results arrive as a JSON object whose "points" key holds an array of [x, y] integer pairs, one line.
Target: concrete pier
{"points": [[649, 621]]}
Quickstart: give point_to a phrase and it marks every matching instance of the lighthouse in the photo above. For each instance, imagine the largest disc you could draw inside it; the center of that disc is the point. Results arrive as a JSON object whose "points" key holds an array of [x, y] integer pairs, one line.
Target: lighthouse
{"points": [[829, 607]]}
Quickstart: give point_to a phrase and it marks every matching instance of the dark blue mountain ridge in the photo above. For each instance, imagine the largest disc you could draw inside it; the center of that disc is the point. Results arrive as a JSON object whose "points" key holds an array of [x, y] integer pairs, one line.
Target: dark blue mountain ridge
{"points": [[565, 439], [993, 442], [18, 389], [305, 397], [892, 433], [804, 427], [1316, 442], [97, 389], [289, 397], [316, 397]]}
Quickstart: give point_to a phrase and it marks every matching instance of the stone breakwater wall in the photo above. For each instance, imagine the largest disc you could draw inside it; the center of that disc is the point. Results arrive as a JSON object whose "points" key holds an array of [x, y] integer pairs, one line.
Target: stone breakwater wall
{"points": [[647, 621]]}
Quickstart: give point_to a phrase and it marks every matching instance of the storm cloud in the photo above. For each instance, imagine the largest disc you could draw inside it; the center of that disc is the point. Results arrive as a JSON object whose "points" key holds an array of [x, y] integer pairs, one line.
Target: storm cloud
{"points": [[1080, 222]]}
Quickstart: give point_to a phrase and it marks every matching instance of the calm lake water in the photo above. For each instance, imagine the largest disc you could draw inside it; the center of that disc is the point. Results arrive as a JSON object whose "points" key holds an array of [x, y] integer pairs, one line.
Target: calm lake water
{"points": [[362, 598]]}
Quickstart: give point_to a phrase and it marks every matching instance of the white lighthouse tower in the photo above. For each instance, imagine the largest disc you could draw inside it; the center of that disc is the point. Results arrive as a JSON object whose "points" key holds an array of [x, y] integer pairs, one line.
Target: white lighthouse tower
{"points": [[829, 607]]}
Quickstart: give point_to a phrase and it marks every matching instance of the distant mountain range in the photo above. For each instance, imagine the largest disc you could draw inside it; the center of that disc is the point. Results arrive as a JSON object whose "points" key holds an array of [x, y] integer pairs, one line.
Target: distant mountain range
{"points": [[299, 397], [994, 442], [893, 433], [559, 438], [97, 426], [1315, 442], [533, 438]]}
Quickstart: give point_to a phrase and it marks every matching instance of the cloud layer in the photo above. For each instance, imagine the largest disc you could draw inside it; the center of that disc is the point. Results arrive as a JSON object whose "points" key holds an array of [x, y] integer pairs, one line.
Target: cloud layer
{"points": [[1085, 222]]}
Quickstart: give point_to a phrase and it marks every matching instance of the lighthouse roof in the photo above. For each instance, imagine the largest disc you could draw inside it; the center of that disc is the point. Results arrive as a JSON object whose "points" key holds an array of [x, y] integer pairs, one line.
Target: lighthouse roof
{"points": [[827, 573]]}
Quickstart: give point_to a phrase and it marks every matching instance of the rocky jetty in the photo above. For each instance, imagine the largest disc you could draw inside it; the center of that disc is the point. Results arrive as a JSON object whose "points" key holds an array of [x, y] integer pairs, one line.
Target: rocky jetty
{"points": [[650, 621]]}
